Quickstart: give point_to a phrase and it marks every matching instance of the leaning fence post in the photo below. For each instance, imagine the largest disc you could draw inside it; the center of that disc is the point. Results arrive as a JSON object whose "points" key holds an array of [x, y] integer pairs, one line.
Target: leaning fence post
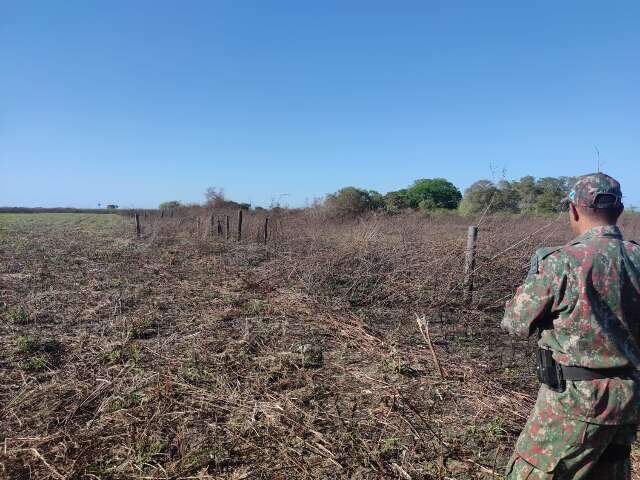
{"points": [[227, 230], [470, 263], [137, 225], [239, 224], [266, 230]]}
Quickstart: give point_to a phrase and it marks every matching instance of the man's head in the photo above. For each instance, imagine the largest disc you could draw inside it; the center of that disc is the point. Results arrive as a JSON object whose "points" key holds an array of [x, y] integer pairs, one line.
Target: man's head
{"points": [[594, 200]]}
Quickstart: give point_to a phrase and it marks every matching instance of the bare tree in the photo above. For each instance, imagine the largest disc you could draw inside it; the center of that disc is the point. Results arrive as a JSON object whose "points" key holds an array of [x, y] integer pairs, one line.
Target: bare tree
{"points": [[214, 196]]}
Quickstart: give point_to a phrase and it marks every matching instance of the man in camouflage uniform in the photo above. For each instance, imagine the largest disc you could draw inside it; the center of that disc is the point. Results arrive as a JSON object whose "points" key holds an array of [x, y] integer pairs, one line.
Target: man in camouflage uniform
{"points": [[582, 300]]}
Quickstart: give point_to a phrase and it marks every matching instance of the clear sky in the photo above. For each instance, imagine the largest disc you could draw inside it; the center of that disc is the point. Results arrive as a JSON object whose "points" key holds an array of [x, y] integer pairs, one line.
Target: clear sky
{"points": [[136, 102]]}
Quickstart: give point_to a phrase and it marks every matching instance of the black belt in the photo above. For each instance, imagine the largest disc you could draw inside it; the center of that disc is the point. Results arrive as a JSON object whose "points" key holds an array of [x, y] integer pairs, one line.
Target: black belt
{"points": [[577, 374], [555, 375]]}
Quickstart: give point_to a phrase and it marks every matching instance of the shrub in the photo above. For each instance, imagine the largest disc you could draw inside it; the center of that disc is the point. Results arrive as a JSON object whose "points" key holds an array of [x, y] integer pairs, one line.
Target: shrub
{"points": [[18, 314], [477, 197], [27, 344], [170, 204], [377, 200], [128, 353], [349, 201], [214, 197], [34, 364], [526, 195], [396, 201], [433, 193]]}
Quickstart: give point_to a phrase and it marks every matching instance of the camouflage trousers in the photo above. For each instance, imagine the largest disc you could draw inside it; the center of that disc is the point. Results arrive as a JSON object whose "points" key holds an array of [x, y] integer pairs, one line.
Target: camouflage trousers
{"points": [[569, 449]]}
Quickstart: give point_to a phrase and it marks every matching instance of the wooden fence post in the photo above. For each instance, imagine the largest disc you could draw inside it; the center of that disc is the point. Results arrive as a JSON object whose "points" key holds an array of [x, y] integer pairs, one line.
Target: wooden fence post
{"points": [[219, 228], [470, 263], [239, 224], [212, 222], [161, 213], [266, 230], [227, 230], [137, 225]]}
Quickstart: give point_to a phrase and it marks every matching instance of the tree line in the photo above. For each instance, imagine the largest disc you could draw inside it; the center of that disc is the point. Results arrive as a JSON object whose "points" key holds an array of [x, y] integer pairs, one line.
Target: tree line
{"points": [[214, 198], [527, 195]]}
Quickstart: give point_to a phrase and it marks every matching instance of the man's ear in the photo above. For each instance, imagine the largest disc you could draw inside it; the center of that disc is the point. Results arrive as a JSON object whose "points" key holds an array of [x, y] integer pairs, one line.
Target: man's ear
{"points": [[573, 212]]}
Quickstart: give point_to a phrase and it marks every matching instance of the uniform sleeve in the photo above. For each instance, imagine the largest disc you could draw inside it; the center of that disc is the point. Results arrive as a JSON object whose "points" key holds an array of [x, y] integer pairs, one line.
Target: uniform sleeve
{"points": [[534, 300]]}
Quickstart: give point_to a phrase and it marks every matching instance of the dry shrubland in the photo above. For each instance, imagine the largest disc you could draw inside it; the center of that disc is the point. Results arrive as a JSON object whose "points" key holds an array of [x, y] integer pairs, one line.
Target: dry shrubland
{"points": [[185, 355]]}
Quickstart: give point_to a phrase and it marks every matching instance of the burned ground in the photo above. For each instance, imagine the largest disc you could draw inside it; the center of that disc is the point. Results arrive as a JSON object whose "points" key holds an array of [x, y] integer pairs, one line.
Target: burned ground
{"points": [[185, 355]]}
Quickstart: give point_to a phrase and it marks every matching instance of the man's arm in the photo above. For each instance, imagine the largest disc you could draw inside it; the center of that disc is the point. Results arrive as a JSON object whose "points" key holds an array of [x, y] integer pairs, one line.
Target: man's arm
{"points": [[533, 302]]}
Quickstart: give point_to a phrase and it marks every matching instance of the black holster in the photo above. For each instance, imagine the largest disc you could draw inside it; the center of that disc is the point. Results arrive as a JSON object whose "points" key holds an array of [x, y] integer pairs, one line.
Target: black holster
{"points": [[549, 371], [615, 453]]}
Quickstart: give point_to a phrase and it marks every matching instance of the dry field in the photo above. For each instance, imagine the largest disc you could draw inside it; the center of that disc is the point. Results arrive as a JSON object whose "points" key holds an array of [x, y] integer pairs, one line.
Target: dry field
{"points": [[182, 355]]}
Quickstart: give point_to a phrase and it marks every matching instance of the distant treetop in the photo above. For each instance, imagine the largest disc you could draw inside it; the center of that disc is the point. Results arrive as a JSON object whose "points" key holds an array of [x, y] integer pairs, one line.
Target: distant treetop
{"points": [[425, 194], [169, 204], [432, 193], [527, 195]]}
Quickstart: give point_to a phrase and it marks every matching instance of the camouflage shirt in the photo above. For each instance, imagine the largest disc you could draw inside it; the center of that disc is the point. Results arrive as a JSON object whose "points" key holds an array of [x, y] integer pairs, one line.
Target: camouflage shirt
{"points": [[585, 299]]}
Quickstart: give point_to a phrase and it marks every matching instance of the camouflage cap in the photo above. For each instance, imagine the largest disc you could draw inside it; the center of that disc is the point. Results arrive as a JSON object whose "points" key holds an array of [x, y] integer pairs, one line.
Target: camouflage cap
{"points": [[596, 190]]}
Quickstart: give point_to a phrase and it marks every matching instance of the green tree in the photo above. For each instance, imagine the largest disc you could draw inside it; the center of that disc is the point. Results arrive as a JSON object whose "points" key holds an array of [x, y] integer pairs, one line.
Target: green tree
{"points": [[349, 201], [527, 195], [551, 192], [477, 197], [377, 200], [170, 204], [528, 192], [434, 193], [396, 201], [507, 198]]}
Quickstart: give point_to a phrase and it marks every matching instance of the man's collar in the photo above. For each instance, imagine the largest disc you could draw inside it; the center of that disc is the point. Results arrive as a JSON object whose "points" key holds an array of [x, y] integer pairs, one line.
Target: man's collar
{"points": [[610, 231]]}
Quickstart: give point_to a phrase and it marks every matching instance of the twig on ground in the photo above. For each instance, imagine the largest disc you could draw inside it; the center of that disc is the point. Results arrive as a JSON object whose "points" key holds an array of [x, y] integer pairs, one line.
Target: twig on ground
{"points": [[427, 338], [37, 454]]}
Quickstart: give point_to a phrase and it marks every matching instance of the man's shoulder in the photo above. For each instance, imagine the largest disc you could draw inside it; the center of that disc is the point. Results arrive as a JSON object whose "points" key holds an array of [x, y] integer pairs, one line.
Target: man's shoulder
{"points": [[581, 249], [556, 260], [545, 252], [633, 249], [540, 257]]}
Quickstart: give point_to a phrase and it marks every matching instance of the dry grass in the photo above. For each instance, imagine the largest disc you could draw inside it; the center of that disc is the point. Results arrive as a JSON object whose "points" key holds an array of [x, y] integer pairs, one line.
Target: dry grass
{"points": [[182, 355]]}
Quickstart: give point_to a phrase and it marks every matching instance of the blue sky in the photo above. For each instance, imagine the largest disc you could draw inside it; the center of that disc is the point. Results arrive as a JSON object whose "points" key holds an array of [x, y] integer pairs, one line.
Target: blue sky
{"points": [[136, 102]]}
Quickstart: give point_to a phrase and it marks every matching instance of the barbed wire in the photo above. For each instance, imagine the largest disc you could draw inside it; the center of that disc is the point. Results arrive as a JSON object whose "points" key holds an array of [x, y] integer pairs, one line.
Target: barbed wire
{"points": [[509, 248], [527, 237]]}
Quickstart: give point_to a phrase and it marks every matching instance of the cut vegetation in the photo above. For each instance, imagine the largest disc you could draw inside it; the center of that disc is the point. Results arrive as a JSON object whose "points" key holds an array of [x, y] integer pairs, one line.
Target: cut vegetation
{"points": [[185, 355]]}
